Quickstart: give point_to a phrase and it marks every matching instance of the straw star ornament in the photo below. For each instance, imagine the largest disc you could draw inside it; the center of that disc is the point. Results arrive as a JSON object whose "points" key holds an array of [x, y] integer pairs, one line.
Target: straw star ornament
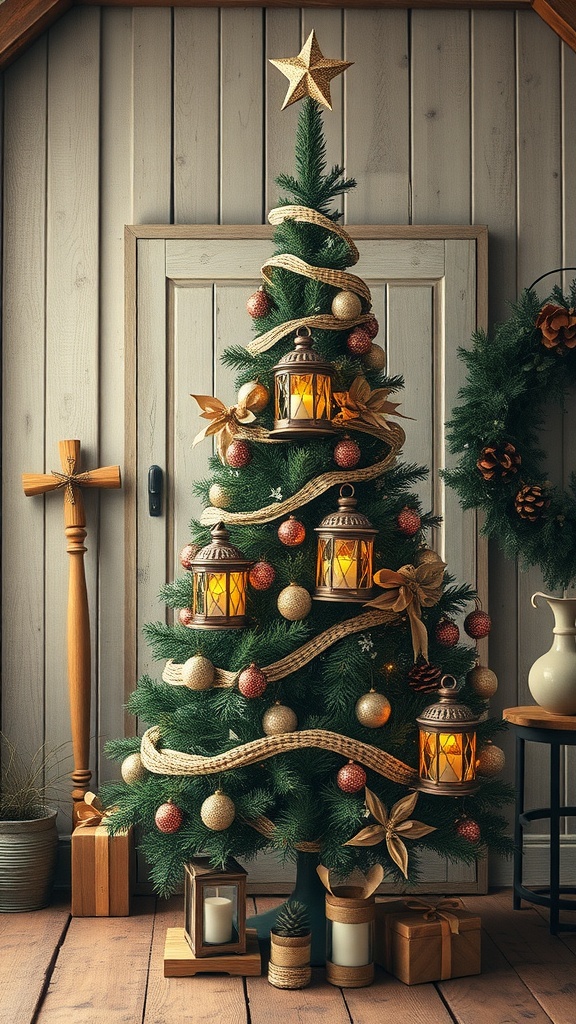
{"points": [[310, 73]]}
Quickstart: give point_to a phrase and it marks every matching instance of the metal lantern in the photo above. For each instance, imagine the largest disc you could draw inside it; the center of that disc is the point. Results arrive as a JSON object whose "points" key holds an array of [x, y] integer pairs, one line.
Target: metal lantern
{"points": [[447, 744], [214, 908], [220, 578], [345, 553], [302, 392]]}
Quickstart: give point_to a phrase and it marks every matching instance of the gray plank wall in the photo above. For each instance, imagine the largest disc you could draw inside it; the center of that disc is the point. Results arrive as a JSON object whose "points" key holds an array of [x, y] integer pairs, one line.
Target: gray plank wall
{"points": [[155, 116]]}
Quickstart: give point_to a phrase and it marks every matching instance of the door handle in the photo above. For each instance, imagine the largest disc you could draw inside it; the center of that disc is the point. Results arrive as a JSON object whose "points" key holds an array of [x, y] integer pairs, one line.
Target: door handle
{"points": [[155, 480]]}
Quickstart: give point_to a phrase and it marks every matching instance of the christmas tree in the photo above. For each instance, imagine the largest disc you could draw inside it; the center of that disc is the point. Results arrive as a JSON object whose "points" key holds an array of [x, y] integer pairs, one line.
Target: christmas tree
{"points": [[314, 625]]}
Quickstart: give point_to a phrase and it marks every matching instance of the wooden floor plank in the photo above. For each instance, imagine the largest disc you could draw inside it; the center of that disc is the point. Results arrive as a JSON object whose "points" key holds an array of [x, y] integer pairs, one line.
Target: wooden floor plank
{"points": [[28, 945], [206, 998], [101, 973], [390, 1000]]}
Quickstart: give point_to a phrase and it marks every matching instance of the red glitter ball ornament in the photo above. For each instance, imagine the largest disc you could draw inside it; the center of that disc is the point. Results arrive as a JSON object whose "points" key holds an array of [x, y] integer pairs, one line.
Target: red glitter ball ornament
{"points": [[358, 342], [188, 554], [168, 817], [291, 532], [408, 521], [262, 575], [238, 454], [371, 327], [351, 778], [258, 304], [469, 830], [478, 624], [347, 453], [447, 633], [185, 616], [252, 682]]}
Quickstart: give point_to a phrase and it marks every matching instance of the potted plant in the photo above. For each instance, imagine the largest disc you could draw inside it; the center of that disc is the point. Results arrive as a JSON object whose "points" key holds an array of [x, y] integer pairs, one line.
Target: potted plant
{"points": [[28, 834], [290, 940]]}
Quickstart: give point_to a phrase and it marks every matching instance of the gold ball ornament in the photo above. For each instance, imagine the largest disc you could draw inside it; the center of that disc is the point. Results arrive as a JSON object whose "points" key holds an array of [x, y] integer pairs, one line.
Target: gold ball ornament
{"points": [[294, 602], [346, 306], [425, 556], [198, 672], [483, 681], [257, 393], [132, 769], [374, 358], [219, 496], [279, 719], [491, 760], [218, 811], [373, 709]]}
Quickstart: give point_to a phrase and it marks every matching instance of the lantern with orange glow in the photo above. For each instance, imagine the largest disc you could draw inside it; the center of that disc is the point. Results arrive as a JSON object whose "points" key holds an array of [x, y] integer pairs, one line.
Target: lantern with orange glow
{"points": [[220, 577], [302, 392], [447, 744], [345, 553]]}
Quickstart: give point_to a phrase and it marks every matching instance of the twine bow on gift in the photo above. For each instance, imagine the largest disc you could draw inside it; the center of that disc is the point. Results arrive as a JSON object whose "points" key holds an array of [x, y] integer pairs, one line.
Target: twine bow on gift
{"points": [[225, 421], [441, 911], [90, 812], [369, 407], [409, 590]]}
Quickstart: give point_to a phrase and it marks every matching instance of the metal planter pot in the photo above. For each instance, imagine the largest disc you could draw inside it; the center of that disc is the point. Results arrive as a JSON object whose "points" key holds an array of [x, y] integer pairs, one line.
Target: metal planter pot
{"points": [[28, 852]]}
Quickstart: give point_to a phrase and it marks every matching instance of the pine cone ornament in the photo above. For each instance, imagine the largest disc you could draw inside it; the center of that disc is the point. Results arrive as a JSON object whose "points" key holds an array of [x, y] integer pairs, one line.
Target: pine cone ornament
{"points": [[347, 453], [218, 811], [408, 521], [198, 673], [262, 575], [491, 760], [252, 682], [294, 602], [483, 681], [351, 778], [218, 496], [168, 817], [258, 304], [447, 633], [498, 461], [185, 616], [279, 719], [132, 769], [424, 677], [477, 624], [469, 830], [291, 532], [558, 327], [238, 454], [530, 502], [371, 327], [374, 358], [358, 342], [257, 393], [188, 554], [346, 306]]}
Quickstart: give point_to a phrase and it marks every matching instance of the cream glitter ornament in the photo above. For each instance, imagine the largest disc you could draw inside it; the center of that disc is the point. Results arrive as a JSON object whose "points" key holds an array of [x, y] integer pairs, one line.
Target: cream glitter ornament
{"points": [[132, 769], [483, 681], [218, 811], [198, 672], [373, 709], [294, 602], [279, 719], [491, 760], [346, 306], [425, 556], [257, 393], [219, 496]]}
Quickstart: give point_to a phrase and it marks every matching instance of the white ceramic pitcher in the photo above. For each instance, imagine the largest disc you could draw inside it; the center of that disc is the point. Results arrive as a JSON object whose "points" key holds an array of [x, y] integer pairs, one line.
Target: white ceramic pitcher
{"points": [[552, 678]]}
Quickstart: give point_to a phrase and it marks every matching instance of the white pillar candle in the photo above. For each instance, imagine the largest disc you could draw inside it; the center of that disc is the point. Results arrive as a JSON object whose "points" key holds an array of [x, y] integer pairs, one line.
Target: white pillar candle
{"points": [[217, 920], [301, 407], [350, 944]]}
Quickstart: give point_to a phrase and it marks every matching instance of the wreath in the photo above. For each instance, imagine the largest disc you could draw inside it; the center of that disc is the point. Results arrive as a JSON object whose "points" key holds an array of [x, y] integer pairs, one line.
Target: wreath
{"points": [[513, 377]]}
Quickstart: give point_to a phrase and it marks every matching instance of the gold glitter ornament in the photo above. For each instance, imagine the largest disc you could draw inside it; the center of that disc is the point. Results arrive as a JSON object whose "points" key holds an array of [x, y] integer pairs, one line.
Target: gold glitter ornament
{"points": [[219, 496], [294, 602], [425, 556], [279, 719], [198, 673], [483, 681], [132, 769], [373, 709], [491, 760], [346, 306], [374, 358], [257, 393], [218, 811]]}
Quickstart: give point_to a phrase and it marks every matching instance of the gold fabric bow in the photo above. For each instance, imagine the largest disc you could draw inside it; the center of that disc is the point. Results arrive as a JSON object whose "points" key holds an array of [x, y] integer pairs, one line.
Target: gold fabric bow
{"points": [[90, 811], [393, 827], [224, 420], [369, 406], [409, 590]]}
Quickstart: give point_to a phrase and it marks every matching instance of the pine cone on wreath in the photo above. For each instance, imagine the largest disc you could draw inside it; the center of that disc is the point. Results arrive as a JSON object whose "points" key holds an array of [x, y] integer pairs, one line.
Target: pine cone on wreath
{"points": [[498, 461], [530, 502], [558, 326], [424, 677]]}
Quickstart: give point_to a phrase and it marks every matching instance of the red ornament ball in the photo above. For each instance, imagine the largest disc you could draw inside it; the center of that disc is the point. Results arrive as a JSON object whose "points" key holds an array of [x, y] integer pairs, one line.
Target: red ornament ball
{"points": [[447, 633], [188, 554], [408, 521], [291, 532], [478, 624], [185, 616], [262, 575], [358, 342], [469, 830], [258, 304], [371, 327], [347, 453], [351, 778], [168, 817], [252, 682], [238, 454]]}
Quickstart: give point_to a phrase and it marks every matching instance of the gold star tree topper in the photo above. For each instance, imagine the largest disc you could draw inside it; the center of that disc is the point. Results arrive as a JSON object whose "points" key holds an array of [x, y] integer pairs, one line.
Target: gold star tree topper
{"points": [[310, 73]]}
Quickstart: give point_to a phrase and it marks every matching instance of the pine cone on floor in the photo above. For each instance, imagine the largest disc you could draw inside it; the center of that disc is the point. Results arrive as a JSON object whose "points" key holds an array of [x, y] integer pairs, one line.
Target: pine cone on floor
{"points": [[498, 461], [530, 502], [424, 677]]}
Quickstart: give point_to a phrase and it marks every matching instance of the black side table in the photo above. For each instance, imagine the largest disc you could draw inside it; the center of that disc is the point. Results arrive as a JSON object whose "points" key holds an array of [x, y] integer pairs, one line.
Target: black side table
{"points": [[539, 726]]}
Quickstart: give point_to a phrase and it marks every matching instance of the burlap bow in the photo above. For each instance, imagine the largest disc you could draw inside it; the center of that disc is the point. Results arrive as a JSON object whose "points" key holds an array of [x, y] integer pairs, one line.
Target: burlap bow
{"points": [[439, 910], [369, 406], [409, 590], [225, 421], [90, 811]]}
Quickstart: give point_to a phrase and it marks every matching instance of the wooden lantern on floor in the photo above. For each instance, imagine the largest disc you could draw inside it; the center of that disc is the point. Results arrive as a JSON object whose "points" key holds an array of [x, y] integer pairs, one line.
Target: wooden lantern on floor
{"points": [[220, 578], [214, 908], [345, 553], [302, 392], [447, 743]]}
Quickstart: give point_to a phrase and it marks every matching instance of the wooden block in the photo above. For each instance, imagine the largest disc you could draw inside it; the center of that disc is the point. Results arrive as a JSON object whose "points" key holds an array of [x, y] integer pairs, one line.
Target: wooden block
{"points": [[180, 962], [102, 872], [411, 948]]}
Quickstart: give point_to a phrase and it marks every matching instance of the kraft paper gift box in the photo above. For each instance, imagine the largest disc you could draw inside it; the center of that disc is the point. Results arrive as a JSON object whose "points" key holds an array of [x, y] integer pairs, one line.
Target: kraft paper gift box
{"points": [[419, 942], [102, 866]]}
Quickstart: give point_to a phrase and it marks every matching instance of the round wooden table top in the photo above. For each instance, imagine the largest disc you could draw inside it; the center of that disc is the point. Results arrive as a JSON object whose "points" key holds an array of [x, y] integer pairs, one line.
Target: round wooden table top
{"points": [[538, 718]]}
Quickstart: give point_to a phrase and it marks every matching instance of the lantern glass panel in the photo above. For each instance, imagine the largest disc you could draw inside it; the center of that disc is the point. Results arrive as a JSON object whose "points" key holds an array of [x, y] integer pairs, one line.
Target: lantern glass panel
{"points": [[216, 597], [301, 396], [324, 562], [323, 396], [237, 585], [199, 603], [345, 564], [447, 757], [219, 914], [282, 394]]}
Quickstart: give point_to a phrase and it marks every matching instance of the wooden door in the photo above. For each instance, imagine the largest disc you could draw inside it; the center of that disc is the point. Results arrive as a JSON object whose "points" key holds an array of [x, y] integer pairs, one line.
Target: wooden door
{"points": [[186, 290]]}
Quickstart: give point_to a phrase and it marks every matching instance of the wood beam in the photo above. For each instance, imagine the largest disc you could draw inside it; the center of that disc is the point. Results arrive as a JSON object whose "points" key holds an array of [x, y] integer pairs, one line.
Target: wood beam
{"points": [[561, 16], [22, 21]]}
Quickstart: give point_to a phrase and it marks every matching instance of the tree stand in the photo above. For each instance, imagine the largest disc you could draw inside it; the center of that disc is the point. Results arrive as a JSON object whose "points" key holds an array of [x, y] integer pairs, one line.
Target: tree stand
{"points": [[308, 889]]}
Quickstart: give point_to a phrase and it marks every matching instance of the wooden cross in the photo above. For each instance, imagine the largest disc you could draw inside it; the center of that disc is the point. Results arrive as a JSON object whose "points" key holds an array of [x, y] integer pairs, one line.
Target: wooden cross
{"points": [[78, 642]]}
